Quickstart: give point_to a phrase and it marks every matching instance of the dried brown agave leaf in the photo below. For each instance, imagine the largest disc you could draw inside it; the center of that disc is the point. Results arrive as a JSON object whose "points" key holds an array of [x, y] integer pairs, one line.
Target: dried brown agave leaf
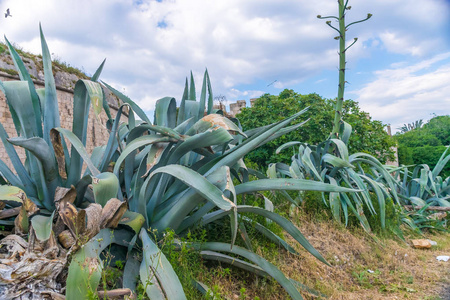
{"points": [[30, 207], [12, 246], [66, 239], [48, 248], [11, 212], [93, 215], [21, 222], [65, 194], [59, 226], [80, 224], [112, 213], [53, 296], [55, 138], [124, 293], [68, 213]]}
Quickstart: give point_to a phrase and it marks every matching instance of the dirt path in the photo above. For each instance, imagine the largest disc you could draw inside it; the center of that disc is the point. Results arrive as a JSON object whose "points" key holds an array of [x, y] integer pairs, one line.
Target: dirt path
{"points": [[362, 266], [367, 268], [445, 294]]}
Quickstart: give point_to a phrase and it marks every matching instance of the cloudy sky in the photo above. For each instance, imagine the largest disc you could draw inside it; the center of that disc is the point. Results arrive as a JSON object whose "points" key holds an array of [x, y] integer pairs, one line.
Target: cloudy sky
{"points": [[399, 70]]}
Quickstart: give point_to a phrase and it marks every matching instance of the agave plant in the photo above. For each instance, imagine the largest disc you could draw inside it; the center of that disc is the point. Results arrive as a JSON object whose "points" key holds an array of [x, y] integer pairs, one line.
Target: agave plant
{"points": [[330, 162], [182, 171], [42, 191], [35, 114], [186, 170], [48, 164], [423, 186], [422, 189]]}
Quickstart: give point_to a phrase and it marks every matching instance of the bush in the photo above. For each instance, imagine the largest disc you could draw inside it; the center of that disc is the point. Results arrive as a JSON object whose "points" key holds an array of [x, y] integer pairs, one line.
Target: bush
{"points": [[425, 145], [368, 135]]}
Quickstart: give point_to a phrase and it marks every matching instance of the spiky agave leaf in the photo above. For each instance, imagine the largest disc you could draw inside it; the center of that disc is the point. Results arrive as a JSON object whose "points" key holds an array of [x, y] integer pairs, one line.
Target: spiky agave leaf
{"points": [[20, 102], [40, 149], [256, 259], [25, 76], [86, 267], [35, 113], [157, 275], [175, 176]]}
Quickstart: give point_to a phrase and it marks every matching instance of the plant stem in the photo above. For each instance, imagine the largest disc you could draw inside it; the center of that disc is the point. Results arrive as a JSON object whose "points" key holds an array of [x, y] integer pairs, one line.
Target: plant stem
{"points": [[340, 98], [342, 49]]}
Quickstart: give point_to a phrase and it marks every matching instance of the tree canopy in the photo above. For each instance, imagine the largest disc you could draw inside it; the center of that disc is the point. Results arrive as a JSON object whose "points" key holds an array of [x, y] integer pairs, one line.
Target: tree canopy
{"points": [[426, 144], [368, 135]]}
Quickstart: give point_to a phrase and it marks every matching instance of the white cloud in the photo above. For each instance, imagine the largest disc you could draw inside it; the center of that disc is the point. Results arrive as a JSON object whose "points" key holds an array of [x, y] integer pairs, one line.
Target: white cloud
{"points": [[408, 93], [400, 44], [407, 43], [240, 95], [242, 43]]}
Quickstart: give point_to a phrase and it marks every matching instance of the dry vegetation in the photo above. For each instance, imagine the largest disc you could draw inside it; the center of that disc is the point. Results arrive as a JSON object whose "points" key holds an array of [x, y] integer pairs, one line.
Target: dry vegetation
{"points": [[399, 271]]}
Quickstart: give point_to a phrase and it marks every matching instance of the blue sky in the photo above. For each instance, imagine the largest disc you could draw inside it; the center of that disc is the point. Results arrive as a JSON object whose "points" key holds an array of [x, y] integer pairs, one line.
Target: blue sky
{"points": [[399, 70]]}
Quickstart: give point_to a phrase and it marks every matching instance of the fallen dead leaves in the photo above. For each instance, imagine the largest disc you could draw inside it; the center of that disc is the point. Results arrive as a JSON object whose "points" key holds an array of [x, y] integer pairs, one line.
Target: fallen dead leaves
{"points": [[36, 269]]}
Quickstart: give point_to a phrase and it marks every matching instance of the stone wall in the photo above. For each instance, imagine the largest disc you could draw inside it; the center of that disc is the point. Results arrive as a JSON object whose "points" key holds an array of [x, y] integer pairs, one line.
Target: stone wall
{"points": [[97, 133], [395, 149], [235, 107]]}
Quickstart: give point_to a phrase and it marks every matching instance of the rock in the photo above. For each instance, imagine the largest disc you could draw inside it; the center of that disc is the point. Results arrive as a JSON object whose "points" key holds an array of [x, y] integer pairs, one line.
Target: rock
{"points": [[438, 216], [433, 243], [421, 244], [65, 80]]}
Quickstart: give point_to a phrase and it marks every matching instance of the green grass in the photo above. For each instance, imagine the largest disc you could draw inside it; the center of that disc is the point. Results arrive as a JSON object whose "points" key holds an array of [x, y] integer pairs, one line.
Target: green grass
{"points": [[9, 71], [65, 67], [37, 59]]}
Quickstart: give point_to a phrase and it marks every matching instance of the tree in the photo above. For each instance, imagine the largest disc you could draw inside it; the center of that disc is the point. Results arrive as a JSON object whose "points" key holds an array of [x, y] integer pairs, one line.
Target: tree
{"points": [[439, 126], [368, 135], [425, 145], [411, 126]]}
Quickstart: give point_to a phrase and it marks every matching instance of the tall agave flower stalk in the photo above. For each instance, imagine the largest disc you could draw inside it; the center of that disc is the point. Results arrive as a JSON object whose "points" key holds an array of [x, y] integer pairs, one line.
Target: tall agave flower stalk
{"points": [[330, 161], [343, 7]]}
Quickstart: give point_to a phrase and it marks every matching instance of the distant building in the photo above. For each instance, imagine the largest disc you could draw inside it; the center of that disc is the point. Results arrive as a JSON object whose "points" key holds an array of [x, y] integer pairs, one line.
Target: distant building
{"points": [[395, 149], [236, 108]]}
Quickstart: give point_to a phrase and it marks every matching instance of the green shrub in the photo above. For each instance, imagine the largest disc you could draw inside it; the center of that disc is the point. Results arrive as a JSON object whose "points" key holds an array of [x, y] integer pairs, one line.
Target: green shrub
{"points": [[429, 155], [424, 145], [368, 135]]}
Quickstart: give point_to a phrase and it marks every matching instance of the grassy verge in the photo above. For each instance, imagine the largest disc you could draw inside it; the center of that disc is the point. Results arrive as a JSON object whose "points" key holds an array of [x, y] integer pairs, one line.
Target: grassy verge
{"points": [[363, 266]]}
